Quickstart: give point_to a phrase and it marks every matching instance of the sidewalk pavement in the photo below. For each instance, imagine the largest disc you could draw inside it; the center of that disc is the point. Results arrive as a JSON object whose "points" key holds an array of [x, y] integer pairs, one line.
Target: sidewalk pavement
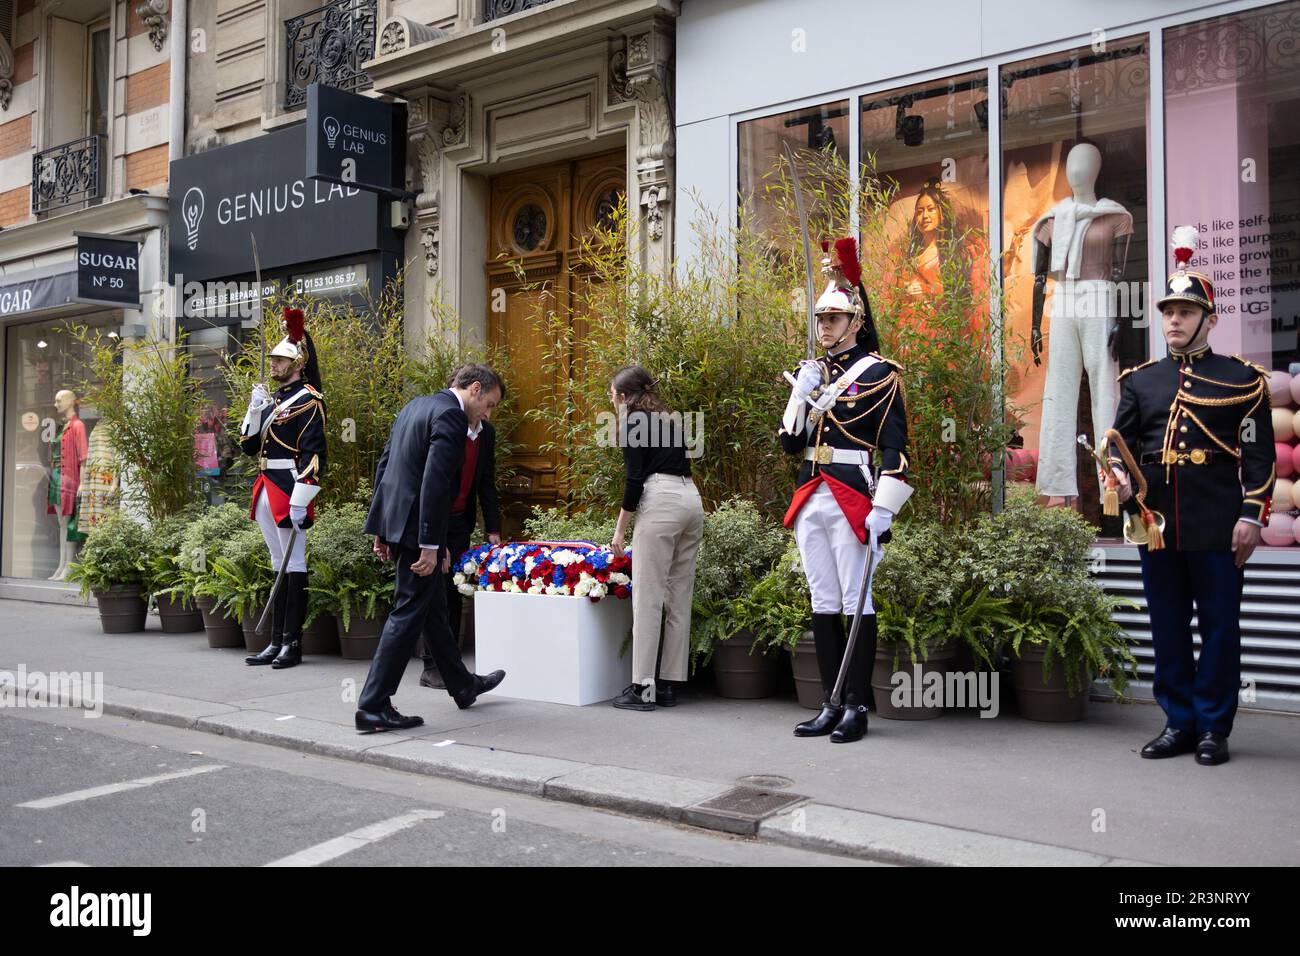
{"points": [[959, 790]]}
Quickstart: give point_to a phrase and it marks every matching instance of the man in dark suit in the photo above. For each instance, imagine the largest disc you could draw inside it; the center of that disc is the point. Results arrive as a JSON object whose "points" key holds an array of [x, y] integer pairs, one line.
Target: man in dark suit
{"points": [[415, 485], [478, 484]]}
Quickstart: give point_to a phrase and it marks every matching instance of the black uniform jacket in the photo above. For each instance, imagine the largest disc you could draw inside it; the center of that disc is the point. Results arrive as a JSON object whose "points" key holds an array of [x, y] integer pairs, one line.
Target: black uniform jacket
{"points": [[1201, 430], [297, 435]]}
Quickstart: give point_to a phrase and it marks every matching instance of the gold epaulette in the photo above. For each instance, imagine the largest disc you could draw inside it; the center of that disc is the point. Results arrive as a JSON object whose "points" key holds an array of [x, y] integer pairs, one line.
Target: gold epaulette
{"points": [[888, 361], [312, 390], [1258, 368], [1130, 371]]}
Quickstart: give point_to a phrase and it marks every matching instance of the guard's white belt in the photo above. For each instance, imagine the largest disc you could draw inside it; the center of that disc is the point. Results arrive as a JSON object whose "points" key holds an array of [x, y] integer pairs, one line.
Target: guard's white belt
{"points": [[826, 455], [288, 463]]}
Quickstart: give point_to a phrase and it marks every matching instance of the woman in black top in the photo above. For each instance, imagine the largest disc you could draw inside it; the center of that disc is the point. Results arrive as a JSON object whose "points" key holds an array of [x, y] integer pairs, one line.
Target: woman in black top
{"points": [[670, 523]]}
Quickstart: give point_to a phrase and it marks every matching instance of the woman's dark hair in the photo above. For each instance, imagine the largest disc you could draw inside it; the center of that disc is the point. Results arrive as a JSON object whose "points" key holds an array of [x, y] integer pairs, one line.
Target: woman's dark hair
{"points": [[641, 390], [915, 241], [467, 375]]}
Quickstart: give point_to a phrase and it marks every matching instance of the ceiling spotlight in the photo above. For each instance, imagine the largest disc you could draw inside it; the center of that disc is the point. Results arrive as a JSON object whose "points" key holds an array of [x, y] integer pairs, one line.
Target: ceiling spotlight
{"points": [[910, 129], [42, 344]]}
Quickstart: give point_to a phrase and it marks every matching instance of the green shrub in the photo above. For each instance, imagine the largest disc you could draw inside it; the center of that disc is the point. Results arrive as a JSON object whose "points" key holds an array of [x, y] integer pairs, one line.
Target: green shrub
{"points": [[241, 575], [164, 575], [586, 524], [346, 576], [114, 555], [205, 539]]}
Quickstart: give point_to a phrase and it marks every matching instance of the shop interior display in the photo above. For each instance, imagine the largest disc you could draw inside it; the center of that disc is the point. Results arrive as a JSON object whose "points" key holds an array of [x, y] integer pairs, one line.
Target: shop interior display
{"points": [[69, 453]]}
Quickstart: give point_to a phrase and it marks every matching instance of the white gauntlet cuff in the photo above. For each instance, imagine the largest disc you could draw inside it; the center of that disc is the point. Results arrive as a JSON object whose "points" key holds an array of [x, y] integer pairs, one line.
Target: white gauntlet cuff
{"points": [[303, 494], [891, 493]]}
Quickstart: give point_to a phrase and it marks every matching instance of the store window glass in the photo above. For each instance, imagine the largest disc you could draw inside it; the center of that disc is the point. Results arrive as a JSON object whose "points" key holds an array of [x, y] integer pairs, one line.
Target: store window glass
{"points": [[1232, 135], [59, 473], [817, 129], [927, 148], [1075, 208]]}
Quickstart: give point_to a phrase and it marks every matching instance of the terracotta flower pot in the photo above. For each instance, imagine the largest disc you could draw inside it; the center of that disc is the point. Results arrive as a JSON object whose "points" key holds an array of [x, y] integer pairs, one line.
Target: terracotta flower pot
{"points": [[177, 619], [321, 636], [256, 643], [807, 678], [1039, 699], [223, 631], [882, 684], [122, 609], [358, 643], [741, 675]]}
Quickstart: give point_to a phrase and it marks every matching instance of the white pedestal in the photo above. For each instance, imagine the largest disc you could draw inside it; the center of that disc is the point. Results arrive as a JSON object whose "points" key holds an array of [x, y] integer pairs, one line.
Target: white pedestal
{"points": [[563, 650]]}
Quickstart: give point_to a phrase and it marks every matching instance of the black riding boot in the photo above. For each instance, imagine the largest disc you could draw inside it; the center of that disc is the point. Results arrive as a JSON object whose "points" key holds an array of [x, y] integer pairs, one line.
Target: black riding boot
{"points": [[272, 650], [857, 685], [295, 613], [828, 635]]}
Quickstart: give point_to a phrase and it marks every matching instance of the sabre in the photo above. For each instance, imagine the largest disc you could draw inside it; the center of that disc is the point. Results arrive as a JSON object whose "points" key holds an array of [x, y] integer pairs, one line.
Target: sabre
{"points": [[279, 577], [257, 272], [838, 692], [809, 290]]}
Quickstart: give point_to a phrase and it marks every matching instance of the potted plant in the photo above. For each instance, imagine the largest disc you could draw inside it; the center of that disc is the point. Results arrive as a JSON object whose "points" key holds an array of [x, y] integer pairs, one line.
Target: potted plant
{"points": [[111, 566], [1062, 634], [347, 579], [777, 609], [164, 575], [240, 583], [738, 549], [201, 544]]}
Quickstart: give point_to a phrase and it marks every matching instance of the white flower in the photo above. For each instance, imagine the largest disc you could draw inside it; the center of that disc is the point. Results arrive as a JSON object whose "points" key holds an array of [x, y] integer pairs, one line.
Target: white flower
{"points": [[582, 588], [598, 590], [535, 589], [618, 577], [466, 589], [458, 578]]}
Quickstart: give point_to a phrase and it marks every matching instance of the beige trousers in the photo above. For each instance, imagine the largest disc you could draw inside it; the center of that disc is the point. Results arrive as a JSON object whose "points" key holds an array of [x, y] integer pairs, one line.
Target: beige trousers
{"points": [[669, 527]]}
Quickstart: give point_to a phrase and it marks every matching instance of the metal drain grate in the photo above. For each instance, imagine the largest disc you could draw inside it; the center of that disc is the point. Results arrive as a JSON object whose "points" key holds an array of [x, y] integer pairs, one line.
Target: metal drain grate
{"points": [[740, 809]]}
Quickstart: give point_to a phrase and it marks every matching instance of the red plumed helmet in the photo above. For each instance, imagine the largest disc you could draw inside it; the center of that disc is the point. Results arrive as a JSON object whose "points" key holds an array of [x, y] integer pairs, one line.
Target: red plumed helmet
{"points": [[846, 252], [294, 324]]}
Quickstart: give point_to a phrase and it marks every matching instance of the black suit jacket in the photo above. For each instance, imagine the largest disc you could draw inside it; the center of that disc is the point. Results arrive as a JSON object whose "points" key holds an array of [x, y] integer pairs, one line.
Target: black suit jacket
{"points": [[419, 472], [483, 489]]}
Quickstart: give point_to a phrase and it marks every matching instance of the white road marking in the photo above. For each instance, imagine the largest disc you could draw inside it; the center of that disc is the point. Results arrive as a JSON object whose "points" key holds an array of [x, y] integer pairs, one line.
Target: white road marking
{"points": [[337, 847], [65, 863], [286, 717], [444, 743], [45, 803]]}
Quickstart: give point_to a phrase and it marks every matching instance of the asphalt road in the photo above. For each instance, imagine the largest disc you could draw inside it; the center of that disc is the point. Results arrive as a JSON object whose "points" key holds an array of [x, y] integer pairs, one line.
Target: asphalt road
{"points": [[113, 792]]}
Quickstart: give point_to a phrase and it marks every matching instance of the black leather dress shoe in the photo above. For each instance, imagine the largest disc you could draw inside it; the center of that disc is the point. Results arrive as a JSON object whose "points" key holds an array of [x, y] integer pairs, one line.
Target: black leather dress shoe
{"points": [[1170, 743], [432, 678], [634, 698], [290, 656], [368, 722], [265, 655], [482, 684], [852, 726], [1212, 749], [821, 725], [665, 694]]}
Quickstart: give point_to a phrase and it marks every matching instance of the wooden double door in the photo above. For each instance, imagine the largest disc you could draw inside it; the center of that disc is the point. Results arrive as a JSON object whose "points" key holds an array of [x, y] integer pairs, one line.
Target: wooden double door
{"points": [[538, 218]]}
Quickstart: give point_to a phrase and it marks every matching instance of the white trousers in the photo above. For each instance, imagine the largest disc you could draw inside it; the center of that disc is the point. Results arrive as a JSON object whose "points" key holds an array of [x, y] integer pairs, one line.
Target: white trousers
{"points": [[277, 538], [833, 557], [1082, 314]]}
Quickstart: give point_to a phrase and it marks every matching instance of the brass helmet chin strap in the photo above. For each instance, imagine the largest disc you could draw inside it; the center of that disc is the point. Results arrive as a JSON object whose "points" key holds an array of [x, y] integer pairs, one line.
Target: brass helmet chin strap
{"points": [[840, 340]]}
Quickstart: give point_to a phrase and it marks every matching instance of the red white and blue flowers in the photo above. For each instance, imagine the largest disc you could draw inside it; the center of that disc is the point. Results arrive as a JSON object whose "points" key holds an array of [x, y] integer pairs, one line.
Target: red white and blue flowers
{"points": [[568, 568]]}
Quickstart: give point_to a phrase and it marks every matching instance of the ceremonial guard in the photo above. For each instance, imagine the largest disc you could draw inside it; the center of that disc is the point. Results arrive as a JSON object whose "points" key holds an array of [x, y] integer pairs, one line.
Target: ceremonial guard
{"points": [[1197, 427], [845, 418], [285, 431]]}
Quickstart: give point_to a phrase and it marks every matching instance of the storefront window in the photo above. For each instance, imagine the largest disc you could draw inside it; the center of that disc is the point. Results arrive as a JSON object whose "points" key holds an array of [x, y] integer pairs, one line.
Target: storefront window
{"points": [[1074, 161], [59, 474], [1232, 135], [818, 129], [927, 147]]}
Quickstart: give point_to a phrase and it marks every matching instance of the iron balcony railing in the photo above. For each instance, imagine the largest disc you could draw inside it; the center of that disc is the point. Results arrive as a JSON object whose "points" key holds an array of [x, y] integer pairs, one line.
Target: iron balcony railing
{"points": [[328, 45], [69, 174], [495, 9]]}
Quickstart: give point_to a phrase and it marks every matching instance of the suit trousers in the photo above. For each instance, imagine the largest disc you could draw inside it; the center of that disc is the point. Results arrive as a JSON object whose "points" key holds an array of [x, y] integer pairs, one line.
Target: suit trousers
{"points": [[1197, 694], [669, 528], [420, 607], [460, 528]]}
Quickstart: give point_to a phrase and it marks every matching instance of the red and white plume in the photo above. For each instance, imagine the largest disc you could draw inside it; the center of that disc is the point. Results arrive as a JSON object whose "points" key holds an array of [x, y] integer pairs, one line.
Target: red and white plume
{"points": [[294, 324], [1184, 243], [846, 255]]}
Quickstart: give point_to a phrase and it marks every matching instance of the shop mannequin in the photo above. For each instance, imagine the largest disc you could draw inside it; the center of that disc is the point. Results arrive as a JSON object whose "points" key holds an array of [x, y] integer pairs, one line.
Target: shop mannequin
{"points": [[1083, 244], [66, 478], [98, 492]]}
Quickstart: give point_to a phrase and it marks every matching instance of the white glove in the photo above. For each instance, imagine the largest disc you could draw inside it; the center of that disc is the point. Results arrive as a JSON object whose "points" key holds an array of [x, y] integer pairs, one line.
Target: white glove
{"points": [[878, 522], [809, 378], [261, 397], [297, 514]]}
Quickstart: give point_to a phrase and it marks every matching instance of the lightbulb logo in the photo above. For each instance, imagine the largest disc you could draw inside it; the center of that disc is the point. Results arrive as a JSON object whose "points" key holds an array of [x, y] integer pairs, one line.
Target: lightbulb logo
{"points": [[331, 126], [192, 213]]}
